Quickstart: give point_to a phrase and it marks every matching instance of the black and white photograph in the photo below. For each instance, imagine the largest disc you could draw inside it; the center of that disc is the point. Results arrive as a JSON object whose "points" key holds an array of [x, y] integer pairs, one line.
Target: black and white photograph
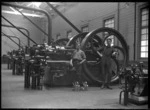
{"points": [[74, 55]]}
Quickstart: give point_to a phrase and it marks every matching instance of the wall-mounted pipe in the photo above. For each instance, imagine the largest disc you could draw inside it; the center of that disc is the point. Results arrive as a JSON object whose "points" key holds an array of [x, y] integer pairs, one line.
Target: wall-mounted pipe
{"points": [[18, 29], [64, 18], [28, 34], [37, 10]]}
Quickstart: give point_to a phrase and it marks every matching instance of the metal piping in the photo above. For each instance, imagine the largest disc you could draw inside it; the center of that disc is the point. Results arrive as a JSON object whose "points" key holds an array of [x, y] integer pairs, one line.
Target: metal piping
{"points": [[118, 13], [16, 38], [64, 18], [37, 10], [31, 22], [18, 29], [134, 31], [12, 39], [28, 34], [118, 17]]}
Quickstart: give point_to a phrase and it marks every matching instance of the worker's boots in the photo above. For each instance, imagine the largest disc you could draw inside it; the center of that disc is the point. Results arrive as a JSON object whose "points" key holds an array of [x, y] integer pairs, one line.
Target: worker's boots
{"points": [[84, 87], [76, 86]]}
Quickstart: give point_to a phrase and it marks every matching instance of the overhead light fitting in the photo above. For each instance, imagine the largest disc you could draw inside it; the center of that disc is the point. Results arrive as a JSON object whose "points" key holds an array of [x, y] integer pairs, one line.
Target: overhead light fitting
{"points": [[37, 4]]}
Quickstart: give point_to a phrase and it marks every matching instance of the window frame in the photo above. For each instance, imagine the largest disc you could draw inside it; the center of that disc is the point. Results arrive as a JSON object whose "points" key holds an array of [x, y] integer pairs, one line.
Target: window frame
{"points": [[107, 18], [83, 26], [139, 32]]}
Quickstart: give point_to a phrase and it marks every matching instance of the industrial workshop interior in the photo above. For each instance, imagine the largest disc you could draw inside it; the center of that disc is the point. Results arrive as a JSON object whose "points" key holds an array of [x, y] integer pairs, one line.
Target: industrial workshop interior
{"points": [[82, 55]]}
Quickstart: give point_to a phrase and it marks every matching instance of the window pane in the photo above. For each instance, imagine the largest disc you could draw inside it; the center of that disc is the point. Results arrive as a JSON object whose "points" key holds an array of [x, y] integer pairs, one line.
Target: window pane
{"points": [[144, 49], [147, 42], [113, 25], [146, 54], [144, 17], [144, 11], [112, 20], [109, 23], [144, 23], [85, 29], [143, 54], [144, 37], [106, 23], [144, 42], [144, 31]]}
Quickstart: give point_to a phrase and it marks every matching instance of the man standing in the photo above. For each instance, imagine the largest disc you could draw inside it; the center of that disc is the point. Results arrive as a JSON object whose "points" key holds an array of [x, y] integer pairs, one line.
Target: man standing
{"points": [[78, 58], [107, 64]]}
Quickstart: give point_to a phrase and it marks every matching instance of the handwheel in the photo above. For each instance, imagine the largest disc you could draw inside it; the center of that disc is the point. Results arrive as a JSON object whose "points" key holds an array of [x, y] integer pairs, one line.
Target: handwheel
{"points": [[92, 68]]}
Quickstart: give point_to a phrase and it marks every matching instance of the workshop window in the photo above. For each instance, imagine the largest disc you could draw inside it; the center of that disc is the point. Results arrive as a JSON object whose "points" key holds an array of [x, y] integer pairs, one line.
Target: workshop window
{"points": [[58, 36], [144, 32], [85, 28], [111, 24], [69, 34]]}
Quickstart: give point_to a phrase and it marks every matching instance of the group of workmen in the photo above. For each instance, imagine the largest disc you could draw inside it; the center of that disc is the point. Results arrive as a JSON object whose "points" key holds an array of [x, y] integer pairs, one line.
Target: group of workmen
{"points": [[78, 57]]}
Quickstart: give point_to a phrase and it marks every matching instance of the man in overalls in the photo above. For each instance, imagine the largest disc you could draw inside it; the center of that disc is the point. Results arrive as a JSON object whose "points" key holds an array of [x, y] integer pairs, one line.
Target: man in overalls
{"points": [[107, 64], [78, 58]]}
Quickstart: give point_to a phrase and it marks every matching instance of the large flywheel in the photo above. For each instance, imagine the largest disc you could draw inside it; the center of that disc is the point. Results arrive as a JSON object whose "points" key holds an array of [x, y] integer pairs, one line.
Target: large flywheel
{"points": [[93, 65], [75, 40], [72, 43], [61, 42], [89, 54]]}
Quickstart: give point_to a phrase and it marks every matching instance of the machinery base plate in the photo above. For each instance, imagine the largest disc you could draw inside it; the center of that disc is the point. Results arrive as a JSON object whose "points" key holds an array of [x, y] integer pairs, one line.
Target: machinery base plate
{"points": [[138, 100]]}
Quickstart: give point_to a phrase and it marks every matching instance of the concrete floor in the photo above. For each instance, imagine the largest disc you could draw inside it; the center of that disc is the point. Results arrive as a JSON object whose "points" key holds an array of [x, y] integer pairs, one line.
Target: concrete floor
{"points": [[15, 96]]}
